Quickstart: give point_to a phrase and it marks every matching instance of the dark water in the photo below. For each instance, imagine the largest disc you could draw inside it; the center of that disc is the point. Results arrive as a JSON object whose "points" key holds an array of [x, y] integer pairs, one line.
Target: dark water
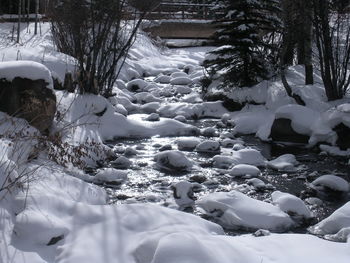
{"points": [[147, 184]]}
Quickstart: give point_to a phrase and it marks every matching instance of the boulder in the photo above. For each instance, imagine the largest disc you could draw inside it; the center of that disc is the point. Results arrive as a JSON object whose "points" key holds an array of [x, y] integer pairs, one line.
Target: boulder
{"points": [[282, 131], [29, 99], [343, 140]]}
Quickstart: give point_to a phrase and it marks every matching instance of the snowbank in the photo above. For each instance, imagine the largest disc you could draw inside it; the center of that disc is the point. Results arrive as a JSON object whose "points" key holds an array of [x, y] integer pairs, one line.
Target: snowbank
{"points": [[235, 210]]}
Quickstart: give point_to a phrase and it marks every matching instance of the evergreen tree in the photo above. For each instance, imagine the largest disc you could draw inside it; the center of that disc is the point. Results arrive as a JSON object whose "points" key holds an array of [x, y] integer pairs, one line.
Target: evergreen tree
{"points": [[242, 56]]}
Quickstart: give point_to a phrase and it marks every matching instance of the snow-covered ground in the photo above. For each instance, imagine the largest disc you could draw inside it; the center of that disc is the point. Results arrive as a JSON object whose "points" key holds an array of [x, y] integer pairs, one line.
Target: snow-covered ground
{"points": [[59, 216]]}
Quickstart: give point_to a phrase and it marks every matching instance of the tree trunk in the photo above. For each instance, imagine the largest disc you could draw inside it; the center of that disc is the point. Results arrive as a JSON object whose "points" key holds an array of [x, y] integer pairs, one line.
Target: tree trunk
{"points": [[36, 17], [309, 78], [19, 19]]}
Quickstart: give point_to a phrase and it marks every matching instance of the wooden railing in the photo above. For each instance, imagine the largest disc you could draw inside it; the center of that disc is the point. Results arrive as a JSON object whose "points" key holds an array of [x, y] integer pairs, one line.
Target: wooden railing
{"points": [[182, 10]]}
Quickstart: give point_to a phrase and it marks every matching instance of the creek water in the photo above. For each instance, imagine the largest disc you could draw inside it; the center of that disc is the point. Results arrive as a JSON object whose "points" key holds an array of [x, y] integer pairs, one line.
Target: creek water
{"points": [[148, 184]]}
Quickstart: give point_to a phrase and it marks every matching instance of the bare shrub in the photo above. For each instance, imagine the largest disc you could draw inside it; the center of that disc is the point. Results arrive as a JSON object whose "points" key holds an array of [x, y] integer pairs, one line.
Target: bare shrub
{"points": [[99, 34]]}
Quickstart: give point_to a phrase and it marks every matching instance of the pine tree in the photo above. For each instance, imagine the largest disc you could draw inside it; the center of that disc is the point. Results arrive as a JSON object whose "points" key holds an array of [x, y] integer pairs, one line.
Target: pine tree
{"points": [[241, 58]]}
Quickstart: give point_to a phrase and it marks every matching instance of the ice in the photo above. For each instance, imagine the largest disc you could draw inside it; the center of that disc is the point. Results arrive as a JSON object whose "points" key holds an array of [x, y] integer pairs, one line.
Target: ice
{"points": [[236, 210]]}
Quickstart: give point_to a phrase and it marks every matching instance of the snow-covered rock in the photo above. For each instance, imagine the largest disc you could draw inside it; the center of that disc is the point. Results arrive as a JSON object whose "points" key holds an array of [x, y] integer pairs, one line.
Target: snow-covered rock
{"points": [[329, 181], [244, 169], [136, 85], [209, 132], [153, 117], [187, 144], [236, 210], [178, 75], [146, 97], [173, 161], [244, 156], [343, 235], [334, 223], [286, 162], [180, 118], [183, 90], [183, 193], [121, 163], [257, 183], [181, 81], [9, 70], [110, 176], [208, 146], [291, 205], [164, 79]]}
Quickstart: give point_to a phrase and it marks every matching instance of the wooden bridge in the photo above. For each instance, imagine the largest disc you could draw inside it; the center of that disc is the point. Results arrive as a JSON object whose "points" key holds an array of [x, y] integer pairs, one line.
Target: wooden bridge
{"points": [[182, 19]]}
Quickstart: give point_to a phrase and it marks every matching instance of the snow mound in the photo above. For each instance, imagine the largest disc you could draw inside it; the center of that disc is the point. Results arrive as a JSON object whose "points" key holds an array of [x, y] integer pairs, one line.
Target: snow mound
{"points": [[187, 144], [334, 223], [164, 79], [284, 162], [302, 118], [193, 111], [183, 193], [244, 156], [236, 210], [332, 182], [25, 69], [173, 161], [208, 146], [181, 81], [110, 175], [244, 169], [136, 85], [291, 205]]}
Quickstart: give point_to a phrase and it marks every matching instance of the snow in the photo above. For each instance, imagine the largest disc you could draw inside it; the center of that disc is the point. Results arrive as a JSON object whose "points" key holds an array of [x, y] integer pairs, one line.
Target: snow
{"points": [[60, 204], [183, 193], [338, 220], [187, 144], [25, 69], [235, 210], [136, 84], [302, 117], [208, 146], [181, 81], [110, 175], [291, 205], [285, 162], [333, 182], [206, 109], [244, 169], [243, 156], [173, 160]]}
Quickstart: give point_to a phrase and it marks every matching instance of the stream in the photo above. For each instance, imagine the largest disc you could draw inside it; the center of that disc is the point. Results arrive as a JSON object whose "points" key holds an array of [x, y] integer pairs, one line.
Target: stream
{"points": [[148, 184]]}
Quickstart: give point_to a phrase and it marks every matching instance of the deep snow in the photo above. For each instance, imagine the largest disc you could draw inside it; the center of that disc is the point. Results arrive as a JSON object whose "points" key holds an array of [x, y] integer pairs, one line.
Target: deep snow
{"points": [[62, 217]]}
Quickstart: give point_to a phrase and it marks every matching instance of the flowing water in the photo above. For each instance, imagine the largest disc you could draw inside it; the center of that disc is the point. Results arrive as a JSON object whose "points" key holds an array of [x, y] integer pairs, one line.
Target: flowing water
{"points": [[147, 184]]}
